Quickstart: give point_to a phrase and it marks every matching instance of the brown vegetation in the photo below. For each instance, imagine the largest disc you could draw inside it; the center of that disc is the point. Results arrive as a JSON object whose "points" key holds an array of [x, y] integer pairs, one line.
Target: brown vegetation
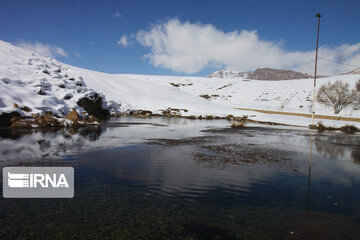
{"points": [[350, 119], [337, 95], [237, 125]]}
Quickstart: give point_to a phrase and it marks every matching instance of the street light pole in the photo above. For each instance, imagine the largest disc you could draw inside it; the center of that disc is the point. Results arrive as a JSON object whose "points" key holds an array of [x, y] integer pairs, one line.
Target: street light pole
{"points": [[316, 56]]}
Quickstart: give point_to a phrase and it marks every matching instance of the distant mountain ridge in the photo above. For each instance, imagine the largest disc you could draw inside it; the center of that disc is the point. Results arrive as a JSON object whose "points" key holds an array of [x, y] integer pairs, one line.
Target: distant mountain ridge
{"points": [[262, 74], [356, 71]]}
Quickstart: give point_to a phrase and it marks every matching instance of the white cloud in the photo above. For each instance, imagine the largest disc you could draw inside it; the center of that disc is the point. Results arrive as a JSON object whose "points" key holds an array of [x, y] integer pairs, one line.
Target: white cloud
{"points": [[77, 54], [190, 47], [46, 50], [59, 51], [124, 41], [91, 43], [117, 15]]}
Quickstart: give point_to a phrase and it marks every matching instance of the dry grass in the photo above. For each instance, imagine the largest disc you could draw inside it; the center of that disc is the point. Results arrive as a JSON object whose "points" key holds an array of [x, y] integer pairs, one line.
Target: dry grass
{"points": [[350, 119], [237, 125]]}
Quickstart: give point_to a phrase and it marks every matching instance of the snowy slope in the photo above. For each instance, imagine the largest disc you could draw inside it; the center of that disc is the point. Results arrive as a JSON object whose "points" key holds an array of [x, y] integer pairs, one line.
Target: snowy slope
{"points": [[41, 84], [288, 95], [23, 74], [140, 92]]}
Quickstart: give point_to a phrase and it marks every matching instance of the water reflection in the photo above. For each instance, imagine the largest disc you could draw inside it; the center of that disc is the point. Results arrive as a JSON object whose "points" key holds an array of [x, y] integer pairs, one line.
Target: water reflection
{"points": [[188, 162], [329, 150], [309, 172], [137, 178], [336, 146], [355, 154], [35, 144], [31, 144]]}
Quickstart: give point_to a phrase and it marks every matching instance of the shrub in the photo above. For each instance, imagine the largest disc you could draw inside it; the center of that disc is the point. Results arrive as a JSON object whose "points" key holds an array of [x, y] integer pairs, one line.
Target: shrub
{"points": [[357, 91], [237, 125], [321, 128], [349, 129], [337, 95]]}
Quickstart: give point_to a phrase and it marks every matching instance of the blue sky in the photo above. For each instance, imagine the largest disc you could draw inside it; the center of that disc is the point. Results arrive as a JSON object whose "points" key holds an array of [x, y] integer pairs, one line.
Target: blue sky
{"points": [[88, 33]]}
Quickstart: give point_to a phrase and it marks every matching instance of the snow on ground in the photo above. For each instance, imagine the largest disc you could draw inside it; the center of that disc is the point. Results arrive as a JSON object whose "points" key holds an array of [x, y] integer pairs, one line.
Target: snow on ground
{"points": [[39, 83], [23, 74]]}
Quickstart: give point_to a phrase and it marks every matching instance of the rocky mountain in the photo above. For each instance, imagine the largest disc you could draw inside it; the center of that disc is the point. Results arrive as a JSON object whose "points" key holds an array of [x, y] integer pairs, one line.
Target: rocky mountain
{"points": [[277, 74], [262, 74]]}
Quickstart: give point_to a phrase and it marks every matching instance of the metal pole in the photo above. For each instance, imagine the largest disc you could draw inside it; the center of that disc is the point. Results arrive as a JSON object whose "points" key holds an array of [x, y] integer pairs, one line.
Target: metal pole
{"points": [[316, 56]]}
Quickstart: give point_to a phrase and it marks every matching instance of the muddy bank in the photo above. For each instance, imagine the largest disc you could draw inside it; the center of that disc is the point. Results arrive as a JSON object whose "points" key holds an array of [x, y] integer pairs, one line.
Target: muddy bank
{"points": [[218, 151], [239, 154]]}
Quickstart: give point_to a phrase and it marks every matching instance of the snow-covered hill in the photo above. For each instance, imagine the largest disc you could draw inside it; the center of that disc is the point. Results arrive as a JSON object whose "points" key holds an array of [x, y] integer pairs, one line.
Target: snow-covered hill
{"points": [[30, 81]]}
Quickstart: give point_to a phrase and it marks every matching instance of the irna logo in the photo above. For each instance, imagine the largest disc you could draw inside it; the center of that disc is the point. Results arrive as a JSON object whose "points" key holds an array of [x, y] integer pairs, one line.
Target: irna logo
{"points": [[38, 182], [22, 180]]}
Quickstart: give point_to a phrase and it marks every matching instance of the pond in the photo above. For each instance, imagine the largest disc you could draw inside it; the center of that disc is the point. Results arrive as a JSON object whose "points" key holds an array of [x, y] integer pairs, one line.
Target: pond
{"points": [[174, 178]]}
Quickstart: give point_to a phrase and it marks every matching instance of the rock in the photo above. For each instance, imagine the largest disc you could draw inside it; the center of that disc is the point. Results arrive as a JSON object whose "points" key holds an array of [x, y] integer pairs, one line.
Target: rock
{"points": [[44, 86], [46, 120], [80, 84], [92, 104], [93, 119], [141, 113], [73, 116], [229, 117], [145, 112], [7, 118], [25, 109], [41, 92], [23, 123], [190, 117], [172, 112], [205, 96], [15, 120], [68, 96], [241, 119]]}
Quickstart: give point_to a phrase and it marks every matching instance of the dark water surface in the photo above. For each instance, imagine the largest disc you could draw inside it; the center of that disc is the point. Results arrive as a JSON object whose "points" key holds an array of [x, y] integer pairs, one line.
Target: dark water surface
{"points": [[188, 179]]}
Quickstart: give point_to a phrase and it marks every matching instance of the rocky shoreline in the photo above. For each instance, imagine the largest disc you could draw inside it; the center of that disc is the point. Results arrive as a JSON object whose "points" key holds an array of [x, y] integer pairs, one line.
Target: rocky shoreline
{"points": [[90, 112], [78, 119], [47, 120]]}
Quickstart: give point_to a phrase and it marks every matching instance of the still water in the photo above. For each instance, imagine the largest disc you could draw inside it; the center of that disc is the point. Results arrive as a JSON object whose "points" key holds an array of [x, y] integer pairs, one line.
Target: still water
{"points": [[166, 178]]}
